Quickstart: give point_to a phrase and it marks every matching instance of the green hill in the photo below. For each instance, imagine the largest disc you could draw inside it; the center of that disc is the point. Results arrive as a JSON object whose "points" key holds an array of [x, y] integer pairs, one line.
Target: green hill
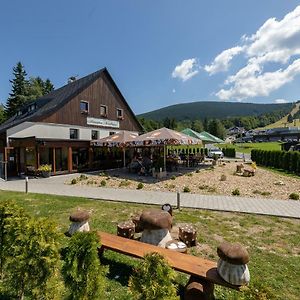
{"points": [[210, 110]]}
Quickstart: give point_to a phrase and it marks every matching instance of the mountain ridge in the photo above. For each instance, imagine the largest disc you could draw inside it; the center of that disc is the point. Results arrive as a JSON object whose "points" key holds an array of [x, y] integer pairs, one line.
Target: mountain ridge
{"points": [[212, 109]]}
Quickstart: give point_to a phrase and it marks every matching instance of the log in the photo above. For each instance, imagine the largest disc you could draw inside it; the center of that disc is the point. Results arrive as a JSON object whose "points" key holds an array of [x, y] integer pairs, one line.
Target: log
{"points": [[126, 229], [188, 235]]}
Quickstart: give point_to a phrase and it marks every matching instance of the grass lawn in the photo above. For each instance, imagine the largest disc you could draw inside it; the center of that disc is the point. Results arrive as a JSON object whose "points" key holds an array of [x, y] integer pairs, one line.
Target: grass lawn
{"points": [[273, 243], [247, 147]]}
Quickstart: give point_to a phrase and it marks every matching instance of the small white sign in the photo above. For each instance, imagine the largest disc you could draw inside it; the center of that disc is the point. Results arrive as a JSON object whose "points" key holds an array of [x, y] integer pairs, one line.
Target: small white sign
{"points": [[102, 122]]}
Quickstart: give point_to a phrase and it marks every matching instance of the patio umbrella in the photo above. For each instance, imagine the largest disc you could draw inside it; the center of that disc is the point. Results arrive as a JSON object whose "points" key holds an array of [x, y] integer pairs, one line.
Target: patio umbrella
{"points": [[164, 136], [210, 138], [118, 139]]}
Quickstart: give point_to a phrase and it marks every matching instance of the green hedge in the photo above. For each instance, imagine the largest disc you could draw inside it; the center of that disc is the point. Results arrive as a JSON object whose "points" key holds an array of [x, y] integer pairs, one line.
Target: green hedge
{"points": [[286, 160], [229, 152]]}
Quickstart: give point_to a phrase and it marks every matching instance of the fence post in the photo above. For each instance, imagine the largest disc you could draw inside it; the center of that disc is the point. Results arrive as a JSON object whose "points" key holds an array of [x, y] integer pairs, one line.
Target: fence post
{"points": [[26, 184], [178, 200]]}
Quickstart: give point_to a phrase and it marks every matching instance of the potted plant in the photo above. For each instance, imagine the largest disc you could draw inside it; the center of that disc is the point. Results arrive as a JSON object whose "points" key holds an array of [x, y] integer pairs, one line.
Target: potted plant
{"points": [[45, 170]]}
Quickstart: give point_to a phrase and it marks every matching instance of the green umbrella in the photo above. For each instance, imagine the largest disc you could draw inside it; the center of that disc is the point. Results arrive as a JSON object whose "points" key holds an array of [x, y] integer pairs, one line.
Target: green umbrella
{"points": [[206, 136]]}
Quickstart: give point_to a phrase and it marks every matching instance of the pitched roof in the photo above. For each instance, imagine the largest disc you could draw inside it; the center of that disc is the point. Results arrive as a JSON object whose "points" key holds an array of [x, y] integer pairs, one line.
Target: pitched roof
{"points": [[58, 98]]}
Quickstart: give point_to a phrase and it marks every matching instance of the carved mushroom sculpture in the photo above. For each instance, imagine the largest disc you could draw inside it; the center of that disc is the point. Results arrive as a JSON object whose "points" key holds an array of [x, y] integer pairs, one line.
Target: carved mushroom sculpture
{"points": [[156, 225], [79, 221], [232, 265]]}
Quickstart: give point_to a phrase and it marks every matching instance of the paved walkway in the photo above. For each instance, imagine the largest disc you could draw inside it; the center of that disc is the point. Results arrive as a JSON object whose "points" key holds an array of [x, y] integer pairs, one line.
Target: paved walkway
{"points": [[55, 185]]}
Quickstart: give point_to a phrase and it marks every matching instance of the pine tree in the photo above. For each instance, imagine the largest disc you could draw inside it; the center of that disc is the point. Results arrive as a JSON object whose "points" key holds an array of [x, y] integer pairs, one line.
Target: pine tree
{"points": [[205, 124], [18, 95], [197, 125], [215, 127], [48, 87]]}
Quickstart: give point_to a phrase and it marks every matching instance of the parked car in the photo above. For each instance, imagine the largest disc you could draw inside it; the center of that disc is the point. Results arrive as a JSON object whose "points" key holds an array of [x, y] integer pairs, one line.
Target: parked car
{"points": [[215, 152]]}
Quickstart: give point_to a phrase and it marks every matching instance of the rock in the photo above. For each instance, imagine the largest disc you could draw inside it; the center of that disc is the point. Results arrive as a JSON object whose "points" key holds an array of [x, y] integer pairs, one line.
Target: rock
{"points": [[79, 216], [233, 253]]}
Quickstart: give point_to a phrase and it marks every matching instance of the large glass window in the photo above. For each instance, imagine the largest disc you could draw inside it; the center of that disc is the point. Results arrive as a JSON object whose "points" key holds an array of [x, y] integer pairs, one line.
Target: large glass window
{"points": [[74, 133]]}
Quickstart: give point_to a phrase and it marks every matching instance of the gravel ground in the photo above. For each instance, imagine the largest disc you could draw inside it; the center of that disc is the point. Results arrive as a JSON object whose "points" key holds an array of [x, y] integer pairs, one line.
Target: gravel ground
{"points": [[205, 180]]}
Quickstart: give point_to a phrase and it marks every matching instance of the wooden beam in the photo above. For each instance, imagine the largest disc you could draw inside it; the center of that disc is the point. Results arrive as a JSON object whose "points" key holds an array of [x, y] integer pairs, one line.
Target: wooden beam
{"points": [[70, 163], [54, 161]]}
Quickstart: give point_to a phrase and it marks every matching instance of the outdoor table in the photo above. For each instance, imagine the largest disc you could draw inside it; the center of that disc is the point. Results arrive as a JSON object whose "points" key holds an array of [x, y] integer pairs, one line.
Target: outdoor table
{"points": [[176, 246]]}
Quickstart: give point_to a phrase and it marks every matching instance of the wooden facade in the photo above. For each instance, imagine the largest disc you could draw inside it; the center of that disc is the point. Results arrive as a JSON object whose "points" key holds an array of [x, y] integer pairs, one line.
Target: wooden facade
{"points": [[100, 92]]}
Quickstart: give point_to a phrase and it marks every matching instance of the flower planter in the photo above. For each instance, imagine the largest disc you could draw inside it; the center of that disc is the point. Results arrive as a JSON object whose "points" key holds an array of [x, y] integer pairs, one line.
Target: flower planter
{"points": [[45, 174]]}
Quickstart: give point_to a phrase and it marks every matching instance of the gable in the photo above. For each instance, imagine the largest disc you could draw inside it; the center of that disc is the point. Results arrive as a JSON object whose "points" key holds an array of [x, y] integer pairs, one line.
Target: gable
{"points": [[101, 92]]}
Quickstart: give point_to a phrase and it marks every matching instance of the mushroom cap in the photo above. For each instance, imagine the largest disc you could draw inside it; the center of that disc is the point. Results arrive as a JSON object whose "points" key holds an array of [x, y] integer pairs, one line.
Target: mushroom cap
{"points": [[235, 253], [155, 219], [79, 216]]}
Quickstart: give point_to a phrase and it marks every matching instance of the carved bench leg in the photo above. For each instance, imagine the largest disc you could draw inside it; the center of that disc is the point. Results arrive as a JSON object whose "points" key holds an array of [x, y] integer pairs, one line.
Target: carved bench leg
{"points": [[199, 289], [100, 251]]}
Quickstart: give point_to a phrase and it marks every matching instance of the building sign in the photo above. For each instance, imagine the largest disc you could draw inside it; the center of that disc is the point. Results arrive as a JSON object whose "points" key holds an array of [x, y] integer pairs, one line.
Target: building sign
{"points": [[103, 122]]}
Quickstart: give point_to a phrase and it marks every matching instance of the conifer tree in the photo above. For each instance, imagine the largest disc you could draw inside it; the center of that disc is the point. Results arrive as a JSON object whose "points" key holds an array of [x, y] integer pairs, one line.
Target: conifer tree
{"points": [[18, 94]]}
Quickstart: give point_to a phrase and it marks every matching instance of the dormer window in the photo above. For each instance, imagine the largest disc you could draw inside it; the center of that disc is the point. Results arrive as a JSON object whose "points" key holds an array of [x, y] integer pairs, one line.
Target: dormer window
{"points": [[84, 107], [120, 114], [103, 110]]}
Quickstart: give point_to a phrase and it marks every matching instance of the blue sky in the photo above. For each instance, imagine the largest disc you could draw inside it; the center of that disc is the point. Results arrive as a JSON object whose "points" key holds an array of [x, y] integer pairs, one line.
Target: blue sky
{"points": [[159, 52]]}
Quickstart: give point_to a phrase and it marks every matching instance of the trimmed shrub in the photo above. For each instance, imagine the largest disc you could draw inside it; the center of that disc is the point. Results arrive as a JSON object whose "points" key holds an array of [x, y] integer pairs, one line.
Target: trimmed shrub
{"points": [[103, 183], [286, 160], [74, 181], [229, 152], [140, 186], [294, 196], [152, 279], [186, 189], [82, 272], [29, 253], [236, 192]]}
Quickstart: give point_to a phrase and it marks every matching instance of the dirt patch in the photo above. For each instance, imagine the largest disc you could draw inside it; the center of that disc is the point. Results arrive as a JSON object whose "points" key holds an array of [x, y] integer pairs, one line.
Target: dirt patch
{"points": [[205, 180]]}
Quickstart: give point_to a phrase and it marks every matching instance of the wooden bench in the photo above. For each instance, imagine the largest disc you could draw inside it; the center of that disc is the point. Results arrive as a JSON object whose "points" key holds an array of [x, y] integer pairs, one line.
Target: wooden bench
{"points": [[197, 267]]}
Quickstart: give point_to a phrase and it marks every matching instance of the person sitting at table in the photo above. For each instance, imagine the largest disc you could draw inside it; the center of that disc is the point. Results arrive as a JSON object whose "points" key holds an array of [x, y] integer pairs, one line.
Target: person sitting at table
{"points": [[147, 163]]}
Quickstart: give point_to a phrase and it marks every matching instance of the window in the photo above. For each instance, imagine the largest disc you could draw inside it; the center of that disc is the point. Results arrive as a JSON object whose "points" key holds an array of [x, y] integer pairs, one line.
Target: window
{"points": [[103, 110], [84, 107], [120, 113], [32, 107], [95, 134], [74, 133]]}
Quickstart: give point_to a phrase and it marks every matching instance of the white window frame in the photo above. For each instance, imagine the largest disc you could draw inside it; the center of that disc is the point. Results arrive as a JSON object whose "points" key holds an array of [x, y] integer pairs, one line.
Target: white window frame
{"points": [[106, 110], [92, 134], [122, 113], [78, 133]]}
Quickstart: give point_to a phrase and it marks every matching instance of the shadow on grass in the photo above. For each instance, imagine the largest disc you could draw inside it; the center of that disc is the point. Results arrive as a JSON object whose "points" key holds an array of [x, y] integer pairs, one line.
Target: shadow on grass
{"points": [[119, 271]]}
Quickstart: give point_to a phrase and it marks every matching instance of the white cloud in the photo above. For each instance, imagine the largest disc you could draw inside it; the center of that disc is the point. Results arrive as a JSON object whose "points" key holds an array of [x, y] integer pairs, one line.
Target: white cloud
{"points": [[173, 91], [186, 70], [276, 41], [251, 82], [279, 101], [222, 61]]}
